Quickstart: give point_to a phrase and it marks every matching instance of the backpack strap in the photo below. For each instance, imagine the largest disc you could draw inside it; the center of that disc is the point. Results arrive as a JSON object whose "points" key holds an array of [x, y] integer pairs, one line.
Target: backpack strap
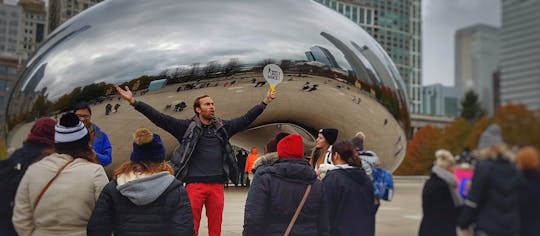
{"points": [[50, 182]]}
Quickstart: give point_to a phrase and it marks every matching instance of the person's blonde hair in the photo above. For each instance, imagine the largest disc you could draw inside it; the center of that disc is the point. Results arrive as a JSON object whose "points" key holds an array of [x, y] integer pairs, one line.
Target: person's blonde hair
{"points": [[444, 159], [527, 158], [361, 135]]}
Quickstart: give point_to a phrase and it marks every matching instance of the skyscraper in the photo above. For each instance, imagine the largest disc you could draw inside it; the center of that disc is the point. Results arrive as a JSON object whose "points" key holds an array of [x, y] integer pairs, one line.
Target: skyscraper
{"points": [[33, 29], [61, 10], [520, 53], [10, 21], [396, 25], [476, 59]]}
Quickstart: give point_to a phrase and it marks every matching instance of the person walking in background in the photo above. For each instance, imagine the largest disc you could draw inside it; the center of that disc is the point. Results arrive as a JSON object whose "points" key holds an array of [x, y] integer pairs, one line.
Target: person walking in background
{"points": [[527, 160], [323, 147], [349, 194], [57, 194], [370, 160], [441, 203], [38, 144], [241, 157], [144, 198], [249, 163], [493, 201], [204, 159], [282, 189], [98, 138]]}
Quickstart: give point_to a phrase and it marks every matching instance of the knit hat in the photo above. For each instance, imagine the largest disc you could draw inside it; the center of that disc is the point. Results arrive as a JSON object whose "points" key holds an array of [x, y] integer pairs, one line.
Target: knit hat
{"points": [[329, 134], [490, 137], [42, 132], [358, 143], [69, 129], [291, 146], [147, 146]]}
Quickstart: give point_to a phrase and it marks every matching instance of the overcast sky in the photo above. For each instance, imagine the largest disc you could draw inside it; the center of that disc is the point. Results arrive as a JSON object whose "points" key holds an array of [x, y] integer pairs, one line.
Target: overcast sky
{"points": [[441, 18]]}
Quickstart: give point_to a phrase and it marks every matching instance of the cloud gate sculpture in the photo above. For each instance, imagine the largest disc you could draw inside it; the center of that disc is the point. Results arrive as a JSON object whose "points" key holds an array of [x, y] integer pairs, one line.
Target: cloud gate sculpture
{"points": [[169, 52]]}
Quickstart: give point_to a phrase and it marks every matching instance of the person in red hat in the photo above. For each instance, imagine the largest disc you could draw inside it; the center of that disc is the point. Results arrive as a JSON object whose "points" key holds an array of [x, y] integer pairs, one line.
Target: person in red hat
{"points": [[38, 144], [287, 182]]}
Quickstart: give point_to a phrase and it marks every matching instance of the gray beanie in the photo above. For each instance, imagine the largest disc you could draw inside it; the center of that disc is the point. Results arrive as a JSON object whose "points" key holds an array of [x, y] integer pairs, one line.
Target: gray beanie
{"points": [[490, 136]]}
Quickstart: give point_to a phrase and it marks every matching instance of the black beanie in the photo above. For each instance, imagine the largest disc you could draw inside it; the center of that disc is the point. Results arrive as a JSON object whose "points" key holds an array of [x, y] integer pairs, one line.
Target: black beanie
{"points": [[330, 135], [147, 146]]}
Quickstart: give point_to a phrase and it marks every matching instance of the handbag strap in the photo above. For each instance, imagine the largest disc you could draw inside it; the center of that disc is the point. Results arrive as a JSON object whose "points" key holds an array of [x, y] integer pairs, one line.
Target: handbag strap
{"points": [[50, 182], [298, 209]]}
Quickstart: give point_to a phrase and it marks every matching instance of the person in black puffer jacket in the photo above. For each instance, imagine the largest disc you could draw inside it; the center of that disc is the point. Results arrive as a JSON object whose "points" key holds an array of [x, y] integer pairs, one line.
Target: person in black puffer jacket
{"points": [[493, 202], [441, 203], [145, 198], [349, 193], [527, 160], [274, 200]]}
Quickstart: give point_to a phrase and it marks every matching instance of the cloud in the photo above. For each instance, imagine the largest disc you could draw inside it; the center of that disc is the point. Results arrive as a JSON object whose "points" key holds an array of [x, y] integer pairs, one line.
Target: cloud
{"points": [[441, 19]]}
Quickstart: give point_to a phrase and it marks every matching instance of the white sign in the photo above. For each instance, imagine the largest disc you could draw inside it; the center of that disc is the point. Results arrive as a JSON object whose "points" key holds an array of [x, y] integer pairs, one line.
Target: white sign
{"points": [[273, 75]]}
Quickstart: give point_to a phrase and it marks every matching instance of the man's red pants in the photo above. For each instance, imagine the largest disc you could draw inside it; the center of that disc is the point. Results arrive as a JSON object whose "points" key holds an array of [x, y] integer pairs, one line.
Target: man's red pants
{"points": [[211, 196]]}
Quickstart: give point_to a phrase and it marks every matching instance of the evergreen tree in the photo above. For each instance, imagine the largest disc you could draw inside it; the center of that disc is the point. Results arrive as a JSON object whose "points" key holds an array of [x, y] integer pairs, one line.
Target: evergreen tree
{"points": [[471, 109]]}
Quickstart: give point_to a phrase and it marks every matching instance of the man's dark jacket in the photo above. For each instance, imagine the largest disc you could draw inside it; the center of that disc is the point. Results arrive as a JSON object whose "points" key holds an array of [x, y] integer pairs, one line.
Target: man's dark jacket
{"points": [[188, 136], [273, 201], [169, 214], [351, 204], [440, 213], [493, 202]]}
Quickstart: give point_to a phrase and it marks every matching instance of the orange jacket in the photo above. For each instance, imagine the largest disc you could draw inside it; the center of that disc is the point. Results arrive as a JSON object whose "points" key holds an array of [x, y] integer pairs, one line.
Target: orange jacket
{"points": [[251, 159]]}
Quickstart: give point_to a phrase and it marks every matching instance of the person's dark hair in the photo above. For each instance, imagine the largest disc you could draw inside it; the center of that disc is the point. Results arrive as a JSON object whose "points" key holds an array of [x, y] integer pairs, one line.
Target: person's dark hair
{"points": [[346, 152], [197, 103], [271, 146], [81, 106], [77, 149]]}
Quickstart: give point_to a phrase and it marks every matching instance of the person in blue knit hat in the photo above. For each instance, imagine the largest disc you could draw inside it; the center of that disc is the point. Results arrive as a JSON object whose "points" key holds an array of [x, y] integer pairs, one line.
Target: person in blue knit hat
{"points": [[144, 198]]}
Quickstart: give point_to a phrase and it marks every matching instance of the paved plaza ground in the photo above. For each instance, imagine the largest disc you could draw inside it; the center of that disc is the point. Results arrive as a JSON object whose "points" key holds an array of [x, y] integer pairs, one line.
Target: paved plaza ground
{"points": [[401, 217]]}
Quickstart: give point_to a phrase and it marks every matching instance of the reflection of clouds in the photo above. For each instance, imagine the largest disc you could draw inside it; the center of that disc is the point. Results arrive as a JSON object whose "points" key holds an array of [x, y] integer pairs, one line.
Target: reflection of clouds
{"points": [[126, 40]]}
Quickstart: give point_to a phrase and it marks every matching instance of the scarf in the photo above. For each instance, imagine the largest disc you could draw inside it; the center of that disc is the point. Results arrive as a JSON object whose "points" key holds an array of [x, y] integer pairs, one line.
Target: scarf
{"points": [[449, 178]]}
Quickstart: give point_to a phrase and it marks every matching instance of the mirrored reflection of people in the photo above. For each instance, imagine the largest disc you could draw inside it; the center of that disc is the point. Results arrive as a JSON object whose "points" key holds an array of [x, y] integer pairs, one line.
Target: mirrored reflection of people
{"points": [[241, 156], [349, 193], [144, 189], [493, 202], [108, 109], [441, 203], [271, 206], [249, 163], [98, 138], [204, 159], [116, 106], [38, 144], [527, 160], [322, 151], [65, 206]]}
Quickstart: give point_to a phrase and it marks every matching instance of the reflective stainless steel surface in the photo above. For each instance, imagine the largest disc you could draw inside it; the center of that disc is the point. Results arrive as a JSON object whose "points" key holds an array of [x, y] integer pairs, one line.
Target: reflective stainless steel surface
{"points": [[336, 75]]}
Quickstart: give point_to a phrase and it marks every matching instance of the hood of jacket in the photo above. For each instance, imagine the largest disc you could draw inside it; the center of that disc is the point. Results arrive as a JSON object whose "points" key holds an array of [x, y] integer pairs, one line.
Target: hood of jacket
{"points": [[295, 170], [266, 159], [142, 190], [354, 173]]}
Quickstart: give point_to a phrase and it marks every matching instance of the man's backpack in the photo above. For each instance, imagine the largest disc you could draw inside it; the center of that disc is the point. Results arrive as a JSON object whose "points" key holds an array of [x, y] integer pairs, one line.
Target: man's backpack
{"points": [[383, 184]]}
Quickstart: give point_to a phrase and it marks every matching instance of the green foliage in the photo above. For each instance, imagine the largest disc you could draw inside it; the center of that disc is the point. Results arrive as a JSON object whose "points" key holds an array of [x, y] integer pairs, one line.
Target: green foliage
{"points": [[471, 109]]}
